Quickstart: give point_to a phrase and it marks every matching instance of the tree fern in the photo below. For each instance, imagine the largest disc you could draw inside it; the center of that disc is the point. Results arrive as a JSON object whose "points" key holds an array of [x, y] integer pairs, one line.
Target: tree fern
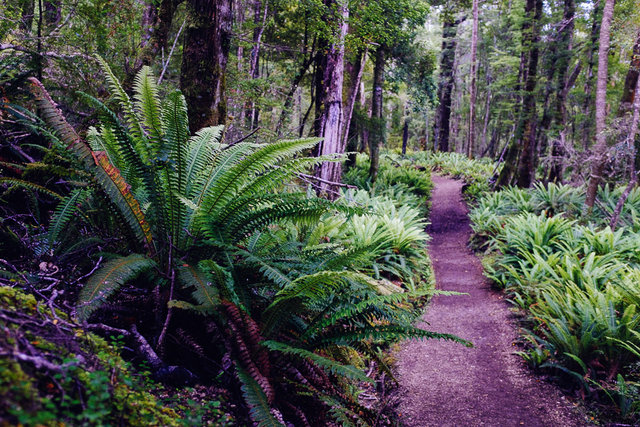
{"points": [[104, 282]]}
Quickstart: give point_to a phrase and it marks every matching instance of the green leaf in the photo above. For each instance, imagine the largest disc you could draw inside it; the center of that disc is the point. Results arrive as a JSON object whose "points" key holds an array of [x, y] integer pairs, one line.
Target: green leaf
{"points": [[108, 279]]}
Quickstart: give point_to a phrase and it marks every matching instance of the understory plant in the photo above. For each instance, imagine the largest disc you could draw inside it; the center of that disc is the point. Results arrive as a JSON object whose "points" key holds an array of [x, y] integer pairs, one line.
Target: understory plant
{"points": [[288, 290], [575, 280]]}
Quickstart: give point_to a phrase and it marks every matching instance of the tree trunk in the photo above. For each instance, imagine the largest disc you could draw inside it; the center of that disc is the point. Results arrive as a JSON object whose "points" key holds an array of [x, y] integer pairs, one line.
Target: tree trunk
{"points": [[330, 124], [160, 31], [562, 89], [474, 72], [600, 149], [631, 142], [26, 16], [294, 88], [376, 128], [405, 135], [445, 85], [588, 98], [52, 12], [518, 155], [204, 61], [630, 82], [260, 11], [355, 71]]}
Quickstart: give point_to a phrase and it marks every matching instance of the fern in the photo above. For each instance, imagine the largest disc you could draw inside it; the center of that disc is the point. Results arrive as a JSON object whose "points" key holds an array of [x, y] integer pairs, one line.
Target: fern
{"points": [[63, 214], [148, 105], [259, 408], [332, 366], [107, 176], [104, 282], [205, 291], [384, 333], [231, 180], [131, 118], [15, 182]]}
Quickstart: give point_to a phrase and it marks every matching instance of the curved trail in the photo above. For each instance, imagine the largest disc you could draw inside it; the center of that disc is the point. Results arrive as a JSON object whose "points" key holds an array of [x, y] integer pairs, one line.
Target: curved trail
{"points": [[445, 384]]}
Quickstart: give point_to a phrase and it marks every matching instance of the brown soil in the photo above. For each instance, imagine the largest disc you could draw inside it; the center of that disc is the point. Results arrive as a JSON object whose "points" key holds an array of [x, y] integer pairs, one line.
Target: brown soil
{"points": [[443, 383]]}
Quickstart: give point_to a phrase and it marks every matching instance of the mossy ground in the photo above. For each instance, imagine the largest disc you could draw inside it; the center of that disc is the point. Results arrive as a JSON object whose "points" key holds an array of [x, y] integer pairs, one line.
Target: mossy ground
{"points": [[54, 373]]}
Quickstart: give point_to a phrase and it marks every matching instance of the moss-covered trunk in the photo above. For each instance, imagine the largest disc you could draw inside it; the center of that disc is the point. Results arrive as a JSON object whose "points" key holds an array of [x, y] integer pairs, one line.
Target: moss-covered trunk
{"points": [[204, 61]]}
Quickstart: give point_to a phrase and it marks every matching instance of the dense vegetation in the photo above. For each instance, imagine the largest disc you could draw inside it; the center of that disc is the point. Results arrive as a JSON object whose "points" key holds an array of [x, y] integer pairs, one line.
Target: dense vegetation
{"points": [[232, 196]]}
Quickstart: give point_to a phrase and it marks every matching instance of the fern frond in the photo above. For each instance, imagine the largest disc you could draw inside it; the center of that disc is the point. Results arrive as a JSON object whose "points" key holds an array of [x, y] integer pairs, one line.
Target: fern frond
{"points": [[132, 120], [104, 282], [307, 290], [201, 149], [148, 104], [16, 182], [385, 333], [259, 408], [64, 214], [228, 183], [305, 211], [106, 175], [325, 363], [119, 192], [205, 292], [176, 125]]}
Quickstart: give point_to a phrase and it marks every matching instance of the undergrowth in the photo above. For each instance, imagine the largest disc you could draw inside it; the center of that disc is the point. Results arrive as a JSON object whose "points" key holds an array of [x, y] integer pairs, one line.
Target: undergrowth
{"points": [[575, 281]]}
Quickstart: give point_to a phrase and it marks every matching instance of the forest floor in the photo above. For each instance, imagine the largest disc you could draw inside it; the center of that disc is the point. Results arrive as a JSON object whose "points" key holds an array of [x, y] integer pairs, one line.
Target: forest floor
{"points": [[443, 383]]}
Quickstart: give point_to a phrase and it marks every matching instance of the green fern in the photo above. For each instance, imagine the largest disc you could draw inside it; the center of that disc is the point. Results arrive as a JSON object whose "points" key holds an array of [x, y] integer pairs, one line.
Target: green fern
{"points": [[332, 366], [63, 214], [259, 408], [104, 282]]}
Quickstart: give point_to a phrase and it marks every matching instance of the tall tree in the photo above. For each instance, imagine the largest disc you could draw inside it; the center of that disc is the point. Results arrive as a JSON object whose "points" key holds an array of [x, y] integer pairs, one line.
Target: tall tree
{"points": [[377, 127], [600, 149], [329, 124], [518, 158], [473, 88], [204, 61], [446, 81]]}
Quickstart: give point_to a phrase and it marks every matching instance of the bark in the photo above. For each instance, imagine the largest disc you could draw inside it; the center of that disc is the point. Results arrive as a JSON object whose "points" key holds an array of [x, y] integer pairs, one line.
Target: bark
{"points": [[405, 136], [376, 129], [260, 12], [302, 72], [519, 152], [204, 61], [445, 85], [487, 111], [331, 121], [52, 12], [355, 70], [161, 27], [600, 149], [631, 141], [474, 72], [28, 9], [630, 82], [588, 97]]}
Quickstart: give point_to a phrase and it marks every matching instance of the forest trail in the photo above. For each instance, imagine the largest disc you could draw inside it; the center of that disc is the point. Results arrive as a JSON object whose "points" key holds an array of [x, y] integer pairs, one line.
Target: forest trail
{"points": [[445, 384]]}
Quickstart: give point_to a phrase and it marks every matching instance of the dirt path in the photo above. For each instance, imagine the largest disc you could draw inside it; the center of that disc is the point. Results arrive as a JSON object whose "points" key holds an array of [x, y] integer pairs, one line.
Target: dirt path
{"points": [[445, 384]]}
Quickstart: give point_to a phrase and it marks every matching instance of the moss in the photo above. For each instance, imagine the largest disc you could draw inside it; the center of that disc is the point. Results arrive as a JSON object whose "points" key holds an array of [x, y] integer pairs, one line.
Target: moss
{"points": [[83, 379]]}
